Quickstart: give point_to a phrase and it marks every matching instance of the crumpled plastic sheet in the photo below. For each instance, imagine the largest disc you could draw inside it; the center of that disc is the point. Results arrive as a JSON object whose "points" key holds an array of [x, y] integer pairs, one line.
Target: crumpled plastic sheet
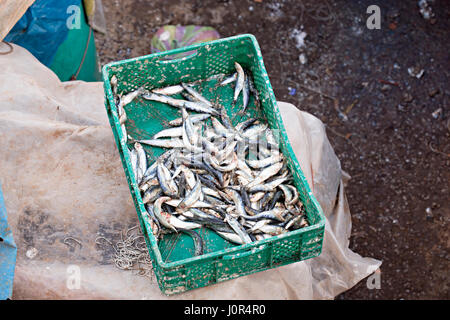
{"points": [[62, 177]]}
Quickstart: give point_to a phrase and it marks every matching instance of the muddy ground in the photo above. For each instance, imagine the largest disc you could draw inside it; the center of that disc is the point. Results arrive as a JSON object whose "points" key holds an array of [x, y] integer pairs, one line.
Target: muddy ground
{"points": [[389, 129]]}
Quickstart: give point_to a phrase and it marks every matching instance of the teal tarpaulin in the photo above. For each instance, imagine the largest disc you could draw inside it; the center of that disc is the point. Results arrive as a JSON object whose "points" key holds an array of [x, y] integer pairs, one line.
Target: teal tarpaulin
{"points": [[43, 28], [8, 251]]}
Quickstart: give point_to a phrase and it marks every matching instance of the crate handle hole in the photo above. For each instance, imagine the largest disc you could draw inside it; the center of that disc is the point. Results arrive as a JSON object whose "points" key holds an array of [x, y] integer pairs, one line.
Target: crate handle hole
{"points": [[244, 254], [185, 56]]}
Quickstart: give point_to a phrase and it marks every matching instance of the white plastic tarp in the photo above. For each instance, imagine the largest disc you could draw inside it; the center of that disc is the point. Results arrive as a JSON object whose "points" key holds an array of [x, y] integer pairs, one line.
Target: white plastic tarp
{"points": [[62, 177]]}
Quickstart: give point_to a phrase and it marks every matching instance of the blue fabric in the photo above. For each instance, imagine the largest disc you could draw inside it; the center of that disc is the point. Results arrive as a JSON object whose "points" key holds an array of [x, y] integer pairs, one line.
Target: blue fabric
{"points": [[8, 251], [42, 29]]}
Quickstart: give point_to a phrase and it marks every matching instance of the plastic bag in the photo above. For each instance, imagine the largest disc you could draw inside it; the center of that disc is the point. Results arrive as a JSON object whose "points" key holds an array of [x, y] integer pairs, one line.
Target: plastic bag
{"points": [[43, 28]]}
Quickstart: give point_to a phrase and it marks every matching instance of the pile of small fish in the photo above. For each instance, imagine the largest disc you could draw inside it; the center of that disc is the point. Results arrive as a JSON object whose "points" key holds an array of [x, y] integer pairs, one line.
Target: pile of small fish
{"points": [[231, 179]]}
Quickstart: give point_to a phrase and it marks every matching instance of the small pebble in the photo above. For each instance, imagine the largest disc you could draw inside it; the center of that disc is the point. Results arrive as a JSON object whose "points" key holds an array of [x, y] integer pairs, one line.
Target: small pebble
{"points": [[415, 72], [302, 58], [407, 97], [392, 26], [31, 253], [437, 113], [433, 92], [429, 213]]}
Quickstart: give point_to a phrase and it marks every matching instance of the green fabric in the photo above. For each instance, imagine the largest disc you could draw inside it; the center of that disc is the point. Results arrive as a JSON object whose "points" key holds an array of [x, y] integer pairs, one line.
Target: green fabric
{"points": [[70, 54]]}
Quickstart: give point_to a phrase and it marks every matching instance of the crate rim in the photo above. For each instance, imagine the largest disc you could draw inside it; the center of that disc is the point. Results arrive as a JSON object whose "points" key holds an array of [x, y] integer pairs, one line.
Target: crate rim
{"points": [[179, 50], [244, 247]]}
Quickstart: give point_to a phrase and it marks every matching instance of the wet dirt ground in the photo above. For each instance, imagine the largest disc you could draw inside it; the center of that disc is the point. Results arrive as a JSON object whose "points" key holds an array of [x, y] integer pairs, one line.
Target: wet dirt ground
{"points": [[389, 129]]}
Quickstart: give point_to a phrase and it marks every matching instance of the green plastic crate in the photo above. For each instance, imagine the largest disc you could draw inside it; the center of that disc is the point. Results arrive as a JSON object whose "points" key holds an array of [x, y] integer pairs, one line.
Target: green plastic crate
{"points": [[175, 266]]}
